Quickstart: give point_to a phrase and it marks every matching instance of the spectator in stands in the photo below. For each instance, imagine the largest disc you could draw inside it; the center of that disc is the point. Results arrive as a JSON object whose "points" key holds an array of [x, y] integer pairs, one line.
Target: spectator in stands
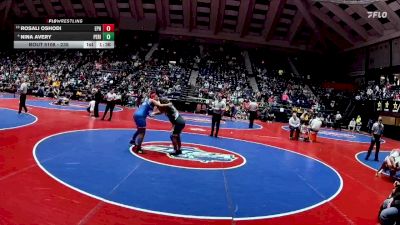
{"points": [[338, 121], [270, 115], [56, 92], [358, 123], [233, 110], [285, 98], [329, 121], [389, 213], [376, 134], [294, 126], [352, 125], [305, 118], [40, 91], [369, 125]]}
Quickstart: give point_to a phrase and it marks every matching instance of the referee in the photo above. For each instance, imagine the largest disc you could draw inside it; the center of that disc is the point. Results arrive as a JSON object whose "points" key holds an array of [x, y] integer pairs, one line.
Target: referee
{"points": [[218, 109], [110, 97], [376, 134], [22, 97], [253, 107]]}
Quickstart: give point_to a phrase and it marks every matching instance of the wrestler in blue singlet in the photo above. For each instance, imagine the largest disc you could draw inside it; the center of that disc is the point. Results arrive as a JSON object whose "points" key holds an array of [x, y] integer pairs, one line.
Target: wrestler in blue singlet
{"points": [[140, 119], [142, 112]]}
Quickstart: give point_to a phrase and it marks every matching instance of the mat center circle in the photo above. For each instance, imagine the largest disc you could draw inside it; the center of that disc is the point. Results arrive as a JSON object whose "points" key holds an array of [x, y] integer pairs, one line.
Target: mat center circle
{"points": [[99, 163], [194, 156]]}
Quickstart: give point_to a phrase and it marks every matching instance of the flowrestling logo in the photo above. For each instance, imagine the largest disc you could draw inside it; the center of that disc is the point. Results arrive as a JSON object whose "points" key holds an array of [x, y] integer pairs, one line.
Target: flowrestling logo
{"points": [[370, 14], [194, 156], [377, 14], [336, 134]]}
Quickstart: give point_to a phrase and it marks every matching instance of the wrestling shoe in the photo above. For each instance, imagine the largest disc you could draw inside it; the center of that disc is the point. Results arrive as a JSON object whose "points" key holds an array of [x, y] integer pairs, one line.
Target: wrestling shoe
{"points": [[176, 153]]}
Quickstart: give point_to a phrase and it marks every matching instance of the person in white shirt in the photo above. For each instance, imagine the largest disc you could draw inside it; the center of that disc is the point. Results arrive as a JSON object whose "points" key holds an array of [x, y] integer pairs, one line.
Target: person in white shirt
{"points": [[218, 109], [352, 125], [315, 124], [338, 121], [118, 98], [391, 163], [376, 134], [294, 126], [91, 107], [110, 98], [253, 107], [23, 90]]}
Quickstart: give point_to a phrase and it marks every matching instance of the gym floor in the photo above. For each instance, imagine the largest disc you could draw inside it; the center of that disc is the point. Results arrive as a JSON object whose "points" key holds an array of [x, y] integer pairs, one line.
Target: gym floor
{"points": [[59, 166]]}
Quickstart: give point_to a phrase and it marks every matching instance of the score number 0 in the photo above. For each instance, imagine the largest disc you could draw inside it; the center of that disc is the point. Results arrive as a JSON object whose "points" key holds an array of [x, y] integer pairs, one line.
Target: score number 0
{"points": [[108, 27]]}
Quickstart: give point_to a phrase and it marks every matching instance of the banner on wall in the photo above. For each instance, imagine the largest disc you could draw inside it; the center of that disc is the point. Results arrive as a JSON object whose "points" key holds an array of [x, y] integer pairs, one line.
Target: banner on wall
{"points": [[389, 111], [388, 106]]}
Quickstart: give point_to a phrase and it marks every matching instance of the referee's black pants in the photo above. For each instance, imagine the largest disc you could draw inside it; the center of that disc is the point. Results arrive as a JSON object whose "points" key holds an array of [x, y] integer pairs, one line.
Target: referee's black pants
{"points": [[375, 141], [96, 108], [252, 117], [22, 100], [110, 106], [216, 120]]}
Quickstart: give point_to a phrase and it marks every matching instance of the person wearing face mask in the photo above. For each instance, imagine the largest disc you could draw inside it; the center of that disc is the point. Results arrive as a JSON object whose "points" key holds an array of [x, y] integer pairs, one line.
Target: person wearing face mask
{"points": [[376, 134]]}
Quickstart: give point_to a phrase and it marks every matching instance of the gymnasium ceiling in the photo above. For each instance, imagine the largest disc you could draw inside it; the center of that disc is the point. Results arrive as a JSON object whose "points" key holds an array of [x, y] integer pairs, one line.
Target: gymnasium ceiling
{"points": [[297, 24]]}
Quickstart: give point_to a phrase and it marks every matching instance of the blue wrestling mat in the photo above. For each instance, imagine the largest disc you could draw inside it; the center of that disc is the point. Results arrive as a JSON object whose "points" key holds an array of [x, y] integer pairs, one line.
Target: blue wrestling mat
{"points": [[374, 165], [73, 106], [200, 120], [342, 135], [10, 119], [213, 178], [8, 96]]}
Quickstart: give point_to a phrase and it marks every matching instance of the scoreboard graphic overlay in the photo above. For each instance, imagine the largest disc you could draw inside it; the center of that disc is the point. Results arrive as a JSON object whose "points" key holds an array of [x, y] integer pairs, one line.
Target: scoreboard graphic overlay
{"points": [[60, 34]]}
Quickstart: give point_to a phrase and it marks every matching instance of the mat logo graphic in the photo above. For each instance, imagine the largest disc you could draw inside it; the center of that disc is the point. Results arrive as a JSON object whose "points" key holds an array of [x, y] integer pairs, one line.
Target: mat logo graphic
{"points": [[197, 129], [335, 134], [199, 119], [193, 154]]}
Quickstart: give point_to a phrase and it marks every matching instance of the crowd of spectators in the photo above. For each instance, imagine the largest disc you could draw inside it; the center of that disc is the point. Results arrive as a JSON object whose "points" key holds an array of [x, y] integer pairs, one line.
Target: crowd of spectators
{"points": [[74, 74], [132, 73], [222, 70], [382, 90]]}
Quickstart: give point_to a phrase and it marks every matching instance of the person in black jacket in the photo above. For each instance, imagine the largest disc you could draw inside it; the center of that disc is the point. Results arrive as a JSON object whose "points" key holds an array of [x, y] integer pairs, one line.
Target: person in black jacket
{"points": [[97, 98], [389, 213]]}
